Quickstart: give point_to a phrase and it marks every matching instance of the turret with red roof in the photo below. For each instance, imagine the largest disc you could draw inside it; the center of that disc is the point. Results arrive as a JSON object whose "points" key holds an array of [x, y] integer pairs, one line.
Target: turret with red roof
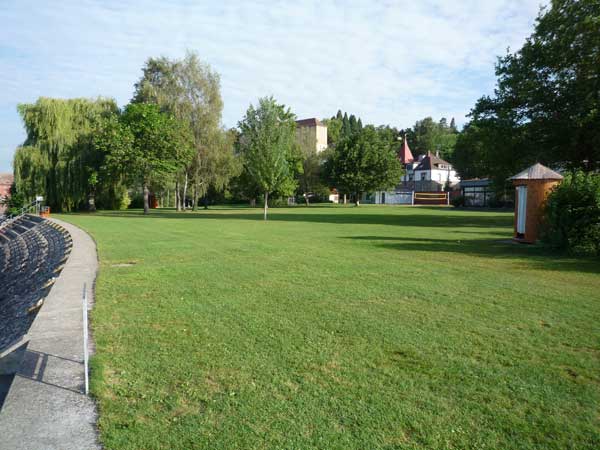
{"points": [[405, 155]]}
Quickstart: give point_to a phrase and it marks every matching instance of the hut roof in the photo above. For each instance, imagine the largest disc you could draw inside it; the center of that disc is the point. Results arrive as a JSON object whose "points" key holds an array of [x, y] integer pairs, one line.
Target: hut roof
{"points": [[537, 172]]}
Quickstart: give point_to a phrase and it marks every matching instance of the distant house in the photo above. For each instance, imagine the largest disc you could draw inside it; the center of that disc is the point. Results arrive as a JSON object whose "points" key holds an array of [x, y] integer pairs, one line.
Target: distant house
{"points": [[430, 173], [427, 173], [6, 181], [313, 129]]}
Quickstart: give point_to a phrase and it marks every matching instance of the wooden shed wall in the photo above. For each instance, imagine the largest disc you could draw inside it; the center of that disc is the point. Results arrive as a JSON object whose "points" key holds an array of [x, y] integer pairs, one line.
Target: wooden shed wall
{"points": [[537, 193]]}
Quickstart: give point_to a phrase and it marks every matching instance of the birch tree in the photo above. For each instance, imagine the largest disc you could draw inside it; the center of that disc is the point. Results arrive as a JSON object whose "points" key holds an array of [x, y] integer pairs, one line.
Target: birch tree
{"points": [[190, 90]]}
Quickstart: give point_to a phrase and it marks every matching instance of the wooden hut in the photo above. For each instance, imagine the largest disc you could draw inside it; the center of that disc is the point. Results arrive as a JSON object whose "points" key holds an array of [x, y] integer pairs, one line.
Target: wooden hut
{"points": [[532, 188]]}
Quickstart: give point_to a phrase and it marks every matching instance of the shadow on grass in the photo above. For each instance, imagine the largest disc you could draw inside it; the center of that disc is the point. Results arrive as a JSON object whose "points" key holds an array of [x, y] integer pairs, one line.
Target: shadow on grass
{"points": [[535, 256], [334, 216], [496, 226]]}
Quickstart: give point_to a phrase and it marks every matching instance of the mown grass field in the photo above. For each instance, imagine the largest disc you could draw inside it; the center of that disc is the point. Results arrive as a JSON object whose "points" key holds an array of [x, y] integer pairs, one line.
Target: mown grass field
{"points": [[340, 328]]}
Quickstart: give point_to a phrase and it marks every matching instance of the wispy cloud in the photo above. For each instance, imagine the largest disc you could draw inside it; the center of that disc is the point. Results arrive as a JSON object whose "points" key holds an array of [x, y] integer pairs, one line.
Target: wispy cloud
{"points": [[388, 62]]}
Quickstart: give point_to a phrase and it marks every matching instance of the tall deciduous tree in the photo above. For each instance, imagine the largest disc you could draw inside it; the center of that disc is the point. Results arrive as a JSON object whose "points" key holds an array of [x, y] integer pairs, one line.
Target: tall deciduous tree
{"points": [[214, 164], [364, 161], [157, 138], [334, 129], [190, 90], [546, 105], [430, 136], [267, 143], [110, 137]]}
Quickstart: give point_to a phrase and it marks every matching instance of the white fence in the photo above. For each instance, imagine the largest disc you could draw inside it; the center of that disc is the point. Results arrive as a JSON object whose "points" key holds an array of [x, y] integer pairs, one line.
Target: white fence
{"points": [[396, 198]]}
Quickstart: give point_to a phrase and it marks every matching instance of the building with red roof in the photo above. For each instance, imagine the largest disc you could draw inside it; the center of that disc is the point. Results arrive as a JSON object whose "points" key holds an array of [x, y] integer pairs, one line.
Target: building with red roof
{"points": [[6, 181]]}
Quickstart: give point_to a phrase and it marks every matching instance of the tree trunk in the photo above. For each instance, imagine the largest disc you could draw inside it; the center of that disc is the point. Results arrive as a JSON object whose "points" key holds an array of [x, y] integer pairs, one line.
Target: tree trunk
{"points": [[92, 202], [146, 203], [345, 199], [168, 198], [180, 198], [357, 199], [195, 197], [177, 206], [266, 204], [185, 185], [306, 199], [206, 201]]}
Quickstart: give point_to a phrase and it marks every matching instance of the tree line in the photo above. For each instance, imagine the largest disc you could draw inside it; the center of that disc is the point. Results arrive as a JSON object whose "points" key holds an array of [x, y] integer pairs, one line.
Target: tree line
{"points": [[546, 105], [83, 154], [88, 153]]}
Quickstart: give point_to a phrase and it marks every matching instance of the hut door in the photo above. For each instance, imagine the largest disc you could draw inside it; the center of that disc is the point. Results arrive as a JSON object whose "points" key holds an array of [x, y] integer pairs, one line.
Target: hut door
{"points": [[522, 208]]}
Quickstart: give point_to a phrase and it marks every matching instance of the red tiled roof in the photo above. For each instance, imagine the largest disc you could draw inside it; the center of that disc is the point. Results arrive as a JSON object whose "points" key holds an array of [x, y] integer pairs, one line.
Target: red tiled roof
{"points": [[405, 155], [313, 122], [6, 178]]}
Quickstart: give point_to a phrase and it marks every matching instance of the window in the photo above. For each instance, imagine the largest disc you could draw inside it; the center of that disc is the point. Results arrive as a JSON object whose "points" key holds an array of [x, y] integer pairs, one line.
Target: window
{"points": [[423, 176]]}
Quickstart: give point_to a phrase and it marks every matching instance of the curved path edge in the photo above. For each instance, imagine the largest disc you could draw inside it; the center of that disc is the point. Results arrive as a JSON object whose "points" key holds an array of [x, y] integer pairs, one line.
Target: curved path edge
{"points": [[46, 407]]}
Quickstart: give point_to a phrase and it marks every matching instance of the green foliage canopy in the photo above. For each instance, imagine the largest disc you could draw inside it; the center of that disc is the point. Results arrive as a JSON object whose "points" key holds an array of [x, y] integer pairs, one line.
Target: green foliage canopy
{"points": [[546, 107], [364, 161], [573, 214], [157, 140], [267, 143], [56, 156], [341, 126], [429, 136], [190, 90]]}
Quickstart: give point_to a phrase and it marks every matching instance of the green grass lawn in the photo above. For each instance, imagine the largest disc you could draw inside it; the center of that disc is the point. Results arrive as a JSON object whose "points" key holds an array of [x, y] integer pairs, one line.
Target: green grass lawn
{"points": [[340, 328]]}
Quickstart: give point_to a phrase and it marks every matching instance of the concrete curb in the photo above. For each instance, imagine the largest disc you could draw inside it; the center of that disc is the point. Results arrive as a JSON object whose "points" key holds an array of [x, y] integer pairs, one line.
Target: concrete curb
{"points": [[46, 407]]}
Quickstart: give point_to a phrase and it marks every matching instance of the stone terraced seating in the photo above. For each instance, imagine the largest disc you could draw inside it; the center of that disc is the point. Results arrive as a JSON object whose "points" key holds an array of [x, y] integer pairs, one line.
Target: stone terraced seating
{"points": [[32, 253]]}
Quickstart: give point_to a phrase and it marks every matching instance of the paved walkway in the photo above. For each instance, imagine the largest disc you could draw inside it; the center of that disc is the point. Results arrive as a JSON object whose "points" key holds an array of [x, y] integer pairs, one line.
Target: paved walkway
{"points": [[45, 408]]}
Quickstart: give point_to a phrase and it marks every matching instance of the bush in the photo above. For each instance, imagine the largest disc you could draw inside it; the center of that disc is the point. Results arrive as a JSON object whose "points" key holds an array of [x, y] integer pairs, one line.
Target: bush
{"points": [[495, 202], [137, 201], [458, 202], [15, 202], [572, 214], [275, 202]]}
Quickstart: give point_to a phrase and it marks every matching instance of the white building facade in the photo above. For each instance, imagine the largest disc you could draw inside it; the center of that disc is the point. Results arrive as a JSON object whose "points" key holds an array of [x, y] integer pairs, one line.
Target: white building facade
{"points": [[429, 173]]}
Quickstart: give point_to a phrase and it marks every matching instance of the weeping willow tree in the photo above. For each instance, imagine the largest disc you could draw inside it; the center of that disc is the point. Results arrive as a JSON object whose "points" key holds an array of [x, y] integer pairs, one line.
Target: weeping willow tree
{"points": [[57, 158], [30, 174]]}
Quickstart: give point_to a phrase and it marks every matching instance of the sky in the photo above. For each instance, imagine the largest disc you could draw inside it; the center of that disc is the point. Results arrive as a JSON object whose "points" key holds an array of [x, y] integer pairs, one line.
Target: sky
{"points": [[388, 62]]}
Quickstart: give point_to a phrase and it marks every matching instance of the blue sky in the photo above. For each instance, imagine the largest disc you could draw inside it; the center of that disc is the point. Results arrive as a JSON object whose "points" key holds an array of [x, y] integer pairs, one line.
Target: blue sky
{"points": [[389, 62]]}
